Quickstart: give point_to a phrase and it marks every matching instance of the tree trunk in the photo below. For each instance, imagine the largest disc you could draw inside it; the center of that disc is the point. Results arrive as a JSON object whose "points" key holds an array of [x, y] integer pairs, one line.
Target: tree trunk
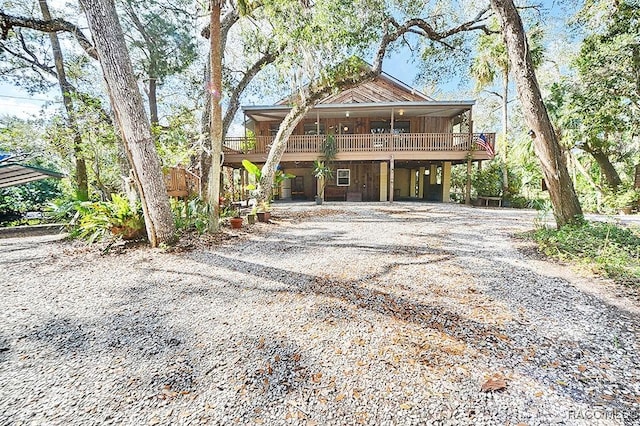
{"points": [[566, 207], [129, 108], [609, 172], [153, 100], [505, 132], [82, 182], [215, 87], [205, 132]]}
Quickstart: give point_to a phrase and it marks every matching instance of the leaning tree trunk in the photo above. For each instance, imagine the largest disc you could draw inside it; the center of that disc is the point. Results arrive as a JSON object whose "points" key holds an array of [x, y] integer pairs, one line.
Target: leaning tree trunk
{"points": [[566, 207], [609, 172], [129, 108], [215, 87], [82, 182]]}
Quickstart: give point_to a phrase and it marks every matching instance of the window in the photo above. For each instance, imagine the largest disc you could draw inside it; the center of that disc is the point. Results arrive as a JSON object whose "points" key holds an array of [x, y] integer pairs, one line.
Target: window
{"points": [[273, 129], [346, 129], [383, 126], [343, 177], [312, 128], [401, 127]]}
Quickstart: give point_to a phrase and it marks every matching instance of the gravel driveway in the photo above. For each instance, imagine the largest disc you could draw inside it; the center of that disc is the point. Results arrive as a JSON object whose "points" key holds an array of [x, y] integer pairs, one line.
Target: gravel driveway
{"points": [[342, 314]]}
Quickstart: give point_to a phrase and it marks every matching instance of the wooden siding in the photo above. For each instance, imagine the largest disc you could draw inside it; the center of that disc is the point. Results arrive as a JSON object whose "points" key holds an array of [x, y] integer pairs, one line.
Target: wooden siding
{"points": [[363, 125], [364, 184], [378, 90], [381, 89]]}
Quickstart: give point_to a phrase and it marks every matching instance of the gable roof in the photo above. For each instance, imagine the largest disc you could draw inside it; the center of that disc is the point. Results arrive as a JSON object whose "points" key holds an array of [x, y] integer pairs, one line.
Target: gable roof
{"points": [[382, 89]]}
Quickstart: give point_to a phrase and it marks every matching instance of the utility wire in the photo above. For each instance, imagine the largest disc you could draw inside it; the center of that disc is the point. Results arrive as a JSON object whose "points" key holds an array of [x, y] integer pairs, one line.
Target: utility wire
{"points": [[25, 98]]}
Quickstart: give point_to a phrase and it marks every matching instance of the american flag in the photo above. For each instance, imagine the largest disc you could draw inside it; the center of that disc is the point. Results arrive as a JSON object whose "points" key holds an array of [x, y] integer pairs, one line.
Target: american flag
{"points": [[481, 140]]}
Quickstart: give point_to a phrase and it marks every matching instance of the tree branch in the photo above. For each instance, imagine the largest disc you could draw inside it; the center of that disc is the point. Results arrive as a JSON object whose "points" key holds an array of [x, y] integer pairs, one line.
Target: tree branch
{"points": [[234, 99], [31, 59], [8, 22]]}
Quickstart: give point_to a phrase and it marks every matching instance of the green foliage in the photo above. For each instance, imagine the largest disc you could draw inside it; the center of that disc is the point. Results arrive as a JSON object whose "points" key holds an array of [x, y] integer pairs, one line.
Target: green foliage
{"points": [[615, 201], [174, 141], [248, 143], [161, 39], [24, 136], [322, 172], [488, 181], [329, 148], [95, 221], [34, 196], [610, 250], [253, 170], [192, 215]]}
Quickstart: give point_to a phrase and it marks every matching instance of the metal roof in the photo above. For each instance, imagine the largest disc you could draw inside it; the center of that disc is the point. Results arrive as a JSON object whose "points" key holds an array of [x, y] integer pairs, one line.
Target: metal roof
{"points": [[12, 174]]}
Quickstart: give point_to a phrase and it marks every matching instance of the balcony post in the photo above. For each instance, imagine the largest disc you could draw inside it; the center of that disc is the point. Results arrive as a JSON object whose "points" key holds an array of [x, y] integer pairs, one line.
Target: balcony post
{"points": [[412, 183], [446, 181], [383, 181], [391, 177], [467, 195]]}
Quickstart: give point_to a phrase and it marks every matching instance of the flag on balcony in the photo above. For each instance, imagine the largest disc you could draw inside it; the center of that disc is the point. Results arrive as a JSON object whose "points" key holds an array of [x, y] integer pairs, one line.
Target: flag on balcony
{"points": [[481, 140]]}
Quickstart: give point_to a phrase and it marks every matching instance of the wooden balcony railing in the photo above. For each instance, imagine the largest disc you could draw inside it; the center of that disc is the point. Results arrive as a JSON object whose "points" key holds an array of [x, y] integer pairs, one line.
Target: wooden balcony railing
{"points": [[363, 143]]}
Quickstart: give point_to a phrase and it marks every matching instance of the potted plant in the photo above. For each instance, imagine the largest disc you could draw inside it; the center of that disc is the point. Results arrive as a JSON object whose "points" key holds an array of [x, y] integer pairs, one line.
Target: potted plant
{"points": [[263, 212], [322, 172], [236, 220], [251, 217]]}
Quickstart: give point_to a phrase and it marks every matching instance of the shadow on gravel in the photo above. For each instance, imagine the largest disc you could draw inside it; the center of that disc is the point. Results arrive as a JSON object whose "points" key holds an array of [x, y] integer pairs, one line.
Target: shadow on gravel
{"points": [[477, 335], [4, 349], [141, 355]]}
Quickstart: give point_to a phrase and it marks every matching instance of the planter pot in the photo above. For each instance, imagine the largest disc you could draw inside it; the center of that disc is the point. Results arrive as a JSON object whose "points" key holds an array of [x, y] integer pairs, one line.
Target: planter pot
{"points": [[236, 222], [251, 218], [318, 200], [626, 210], [264, 216], [126, 232]]}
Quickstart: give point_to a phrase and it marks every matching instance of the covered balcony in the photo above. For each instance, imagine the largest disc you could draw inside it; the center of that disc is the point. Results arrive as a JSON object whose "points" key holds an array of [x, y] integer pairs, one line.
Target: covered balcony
{"points": [[378, 146]]}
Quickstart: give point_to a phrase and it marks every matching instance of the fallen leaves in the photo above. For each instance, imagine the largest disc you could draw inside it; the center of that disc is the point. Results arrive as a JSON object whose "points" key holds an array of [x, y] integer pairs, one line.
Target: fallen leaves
{"points": [[496, 382]]}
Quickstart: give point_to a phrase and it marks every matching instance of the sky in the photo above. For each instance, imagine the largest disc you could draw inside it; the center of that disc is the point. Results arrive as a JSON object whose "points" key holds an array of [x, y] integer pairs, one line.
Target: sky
{"points": [[14, 101]]}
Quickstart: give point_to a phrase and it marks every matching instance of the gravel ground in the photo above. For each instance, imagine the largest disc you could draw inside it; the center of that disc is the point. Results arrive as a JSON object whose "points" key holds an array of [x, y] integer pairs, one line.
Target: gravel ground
{"points": [[378, 314]]}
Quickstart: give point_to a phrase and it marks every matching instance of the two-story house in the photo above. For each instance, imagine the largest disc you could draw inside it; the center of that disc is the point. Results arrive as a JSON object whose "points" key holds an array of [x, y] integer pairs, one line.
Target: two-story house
{"points": [[392, 142]]}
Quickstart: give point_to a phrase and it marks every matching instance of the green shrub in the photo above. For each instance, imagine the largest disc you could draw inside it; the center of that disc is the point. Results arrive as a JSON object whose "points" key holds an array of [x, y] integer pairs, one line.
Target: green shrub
{"points": [[610, 250], [97, 220], [488, 181], [193, 214]]}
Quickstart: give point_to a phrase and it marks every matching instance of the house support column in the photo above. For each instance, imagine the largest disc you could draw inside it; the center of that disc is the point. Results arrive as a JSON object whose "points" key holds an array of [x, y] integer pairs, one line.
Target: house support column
{"points": [[467, 193], [446, 181], [412, 190], [421, 183], [383, 181], [392, 167], [433, 169]]}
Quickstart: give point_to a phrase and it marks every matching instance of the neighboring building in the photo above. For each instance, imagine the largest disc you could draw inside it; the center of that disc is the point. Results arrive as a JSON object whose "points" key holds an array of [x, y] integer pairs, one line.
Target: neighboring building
{"points": [[392, 143]]}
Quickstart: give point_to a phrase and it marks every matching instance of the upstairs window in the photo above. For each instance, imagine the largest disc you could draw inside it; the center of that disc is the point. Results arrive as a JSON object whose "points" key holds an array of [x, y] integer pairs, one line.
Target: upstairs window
{"points": [[312, 129]]}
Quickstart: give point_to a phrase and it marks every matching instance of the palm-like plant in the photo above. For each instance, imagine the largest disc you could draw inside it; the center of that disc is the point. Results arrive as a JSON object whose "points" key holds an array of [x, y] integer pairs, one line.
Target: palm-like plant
{"points": [[492, 63]]}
